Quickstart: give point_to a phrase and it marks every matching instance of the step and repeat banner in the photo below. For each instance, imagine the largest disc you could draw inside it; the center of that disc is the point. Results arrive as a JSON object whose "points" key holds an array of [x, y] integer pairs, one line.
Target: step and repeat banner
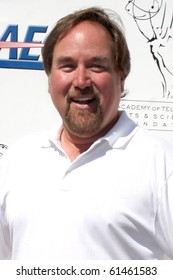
{"points": [[25, 105]]}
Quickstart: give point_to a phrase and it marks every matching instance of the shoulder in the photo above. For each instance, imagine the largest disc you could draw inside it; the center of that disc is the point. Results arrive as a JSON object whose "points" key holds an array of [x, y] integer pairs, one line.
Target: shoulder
{"points": [[155, 140], [29, 145], [153, 145], [142, 138]]}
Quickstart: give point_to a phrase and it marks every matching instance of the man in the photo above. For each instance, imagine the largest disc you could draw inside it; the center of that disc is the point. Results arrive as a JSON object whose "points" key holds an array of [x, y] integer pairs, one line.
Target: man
{"points": [[99, 186]]}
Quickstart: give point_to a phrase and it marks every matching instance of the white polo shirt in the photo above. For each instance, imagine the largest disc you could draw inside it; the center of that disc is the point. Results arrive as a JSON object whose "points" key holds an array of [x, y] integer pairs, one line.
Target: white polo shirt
{"points": [[115, 201]]}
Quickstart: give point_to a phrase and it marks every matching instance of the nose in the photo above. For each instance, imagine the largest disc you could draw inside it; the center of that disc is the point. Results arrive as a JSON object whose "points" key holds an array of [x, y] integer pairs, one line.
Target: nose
{"points": [[82, 78]]}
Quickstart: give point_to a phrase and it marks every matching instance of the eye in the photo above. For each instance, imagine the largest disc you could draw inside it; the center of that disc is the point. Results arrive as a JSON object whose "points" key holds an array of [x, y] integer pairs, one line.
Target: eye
{"points": [[98, 68], [67, 67]]}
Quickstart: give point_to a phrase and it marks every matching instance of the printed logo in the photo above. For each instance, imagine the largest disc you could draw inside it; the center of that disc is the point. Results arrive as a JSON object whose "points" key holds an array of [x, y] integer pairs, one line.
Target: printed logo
{"points": [[154, 20], [3, 147], [20, 54]]}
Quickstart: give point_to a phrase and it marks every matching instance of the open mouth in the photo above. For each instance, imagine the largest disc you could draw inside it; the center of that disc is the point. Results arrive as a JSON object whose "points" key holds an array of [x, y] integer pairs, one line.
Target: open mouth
{"points": [[83, 100]]}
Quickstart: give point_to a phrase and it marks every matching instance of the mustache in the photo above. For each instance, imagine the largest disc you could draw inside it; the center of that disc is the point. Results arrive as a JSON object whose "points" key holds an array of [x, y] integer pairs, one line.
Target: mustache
{"points": [[77, 93]]}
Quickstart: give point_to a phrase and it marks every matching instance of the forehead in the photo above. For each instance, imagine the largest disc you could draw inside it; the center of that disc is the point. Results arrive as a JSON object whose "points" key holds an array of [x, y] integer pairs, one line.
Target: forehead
{"points": [[87, 33]]}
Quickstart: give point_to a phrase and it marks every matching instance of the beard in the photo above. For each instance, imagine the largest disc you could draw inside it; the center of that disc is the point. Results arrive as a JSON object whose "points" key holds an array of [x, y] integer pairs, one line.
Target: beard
{"points": [[84, 122]]}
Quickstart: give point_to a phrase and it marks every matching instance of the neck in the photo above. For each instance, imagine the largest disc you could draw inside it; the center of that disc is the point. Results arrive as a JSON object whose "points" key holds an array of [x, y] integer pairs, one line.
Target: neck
{"points": [[74, 145]]}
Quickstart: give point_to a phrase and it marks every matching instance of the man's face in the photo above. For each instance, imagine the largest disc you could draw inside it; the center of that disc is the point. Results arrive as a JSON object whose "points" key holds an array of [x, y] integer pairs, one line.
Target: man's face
{"points": [[83, 83]]}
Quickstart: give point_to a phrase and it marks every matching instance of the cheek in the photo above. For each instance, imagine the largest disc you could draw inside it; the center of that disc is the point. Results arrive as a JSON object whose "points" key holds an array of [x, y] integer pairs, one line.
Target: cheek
{"points": [[110, 94], [109, 88], [55, 90], [59, 83]]}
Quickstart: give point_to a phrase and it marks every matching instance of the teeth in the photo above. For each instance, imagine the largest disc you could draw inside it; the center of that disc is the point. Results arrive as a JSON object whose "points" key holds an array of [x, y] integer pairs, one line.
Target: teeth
{"points": [[83, 100]]}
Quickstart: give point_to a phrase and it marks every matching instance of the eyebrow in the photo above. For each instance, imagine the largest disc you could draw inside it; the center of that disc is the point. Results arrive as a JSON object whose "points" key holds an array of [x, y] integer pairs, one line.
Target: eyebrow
{"points": [[66, 59], [102, 59], [63, 59]]}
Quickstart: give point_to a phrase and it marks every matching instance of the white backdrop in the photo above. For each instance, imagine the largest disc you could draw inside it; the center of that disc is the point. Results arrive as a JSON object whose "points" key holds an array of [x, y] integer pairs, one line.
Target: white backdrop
{"points": [[25, 105]]}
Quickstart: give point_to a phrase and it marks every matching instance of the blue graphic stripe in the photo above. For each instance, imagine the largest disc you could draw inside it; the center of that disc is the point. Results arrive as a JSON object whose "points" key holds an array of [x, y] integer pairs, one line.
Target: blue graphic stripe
{"points": [[21, 64]]}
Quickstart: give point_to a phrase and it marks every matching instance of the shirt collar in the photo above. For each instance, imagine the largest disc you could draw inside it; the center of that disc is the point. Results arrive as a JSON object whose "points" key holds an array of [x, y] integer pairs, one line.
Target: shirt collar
{"points": [[117, 137], [121, 132]]}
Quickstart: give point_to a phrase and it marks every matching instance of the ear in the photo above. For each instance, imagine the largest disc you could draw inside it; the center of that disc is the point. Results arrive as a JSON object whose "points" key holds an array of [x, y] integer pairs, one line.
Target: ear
{"points": [[122, 85], [49, 85]]}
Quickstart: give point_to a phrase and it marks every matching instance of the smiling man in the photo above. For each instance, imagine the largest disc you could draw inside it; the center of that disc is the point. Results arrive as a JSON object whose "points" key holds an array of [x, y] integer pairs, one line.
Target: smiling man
{"points": [[85, 85], [98, 186]]}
